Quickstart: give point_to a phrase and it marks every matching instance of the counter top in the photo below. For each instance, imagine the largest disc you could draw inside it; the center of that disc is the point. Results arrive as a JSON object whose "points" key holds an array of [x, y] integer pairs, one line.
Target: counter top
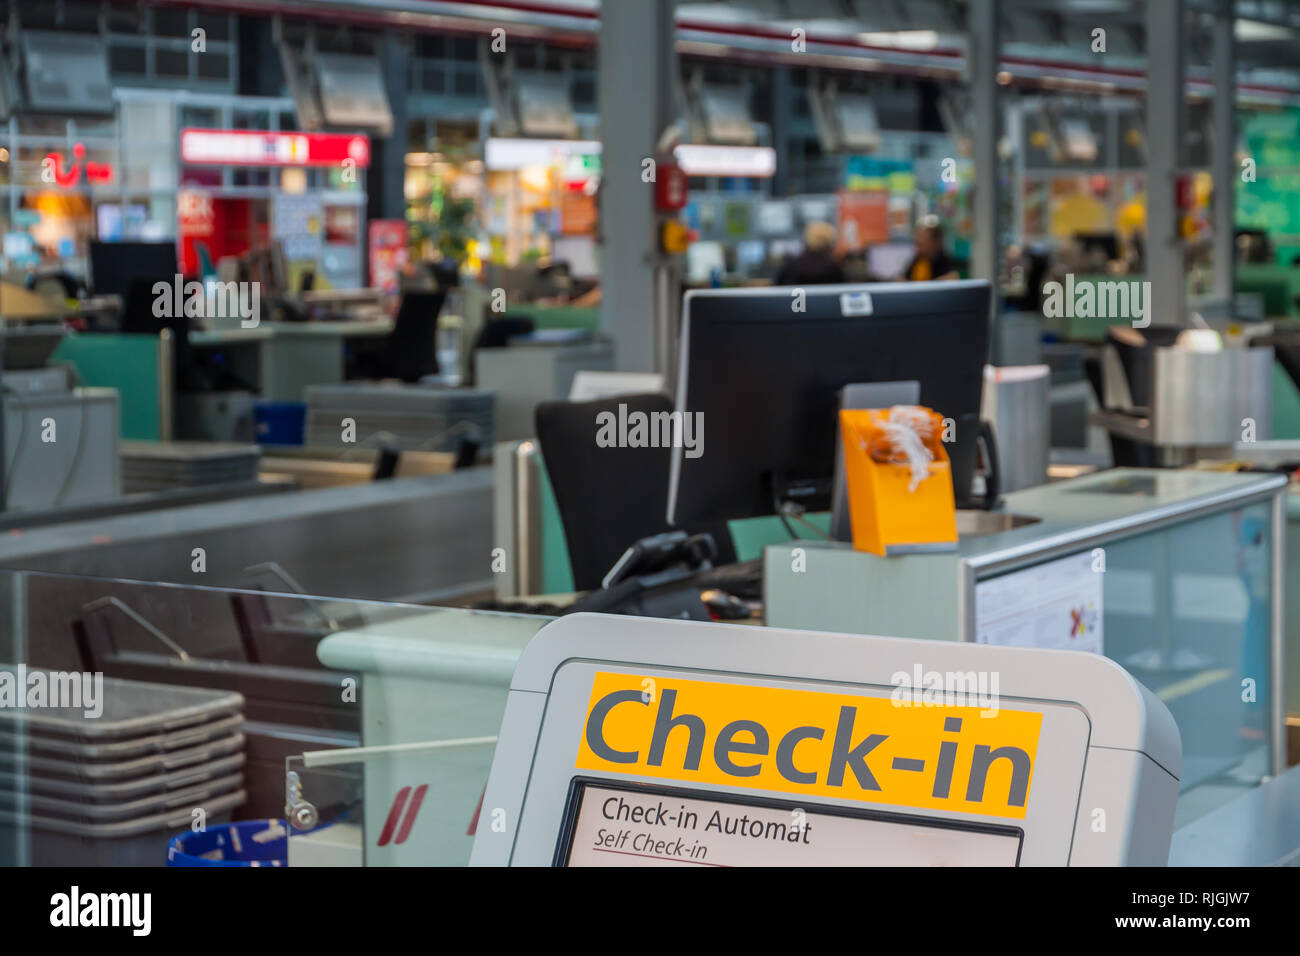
{"points": [[445, 643], [330, 327], [1112, 501], [273, 330], [1073, 512], [1259, 828], [202, 337]]}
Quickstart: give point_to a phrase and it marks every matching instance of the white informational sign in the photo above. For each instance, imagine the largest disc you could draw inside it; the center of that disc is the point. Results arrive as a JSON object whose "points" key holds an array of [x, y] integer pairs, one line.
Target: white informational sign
{"points": [[299, 223], [618, 827], [1056, 605], [589, 386]]}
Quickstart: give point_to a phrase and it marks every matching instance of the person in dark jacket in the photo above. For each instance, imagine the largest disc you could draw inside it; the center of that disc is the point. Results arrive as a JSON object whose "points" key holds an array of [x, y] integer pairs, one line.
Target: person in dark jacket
{"points": [[816, 265], [931, 262]]}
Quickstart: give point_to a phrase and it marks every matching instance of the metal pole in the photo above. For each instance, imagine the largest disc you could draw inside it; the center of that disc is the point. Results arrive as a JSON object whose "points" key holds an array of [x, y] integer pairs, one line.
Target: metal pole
{"points": [[1164, 117], [982, 72], [4, 478], [1223, 158], [638, 79]]}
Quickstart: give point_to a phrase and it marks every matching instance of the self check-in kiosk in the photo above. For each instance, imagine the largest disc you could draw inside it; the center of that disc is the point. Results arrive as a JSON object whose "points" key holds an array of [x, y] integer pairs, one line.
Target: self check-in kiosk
{"points": [[635, 741]]}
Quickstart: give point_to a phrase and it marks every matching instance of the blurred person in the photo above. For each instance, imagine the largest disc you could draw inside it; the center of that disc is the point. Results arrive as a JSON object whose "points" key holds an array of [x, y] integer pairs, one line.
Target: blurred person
{"points": [[930, 261], [816, 265]]}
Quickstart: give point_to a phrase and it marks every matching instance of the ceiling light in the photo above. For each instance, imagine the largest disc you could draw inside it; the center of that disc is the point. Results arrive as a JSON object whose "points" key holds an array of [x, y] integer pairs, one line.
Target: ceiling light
{"points": [[903, 39]]}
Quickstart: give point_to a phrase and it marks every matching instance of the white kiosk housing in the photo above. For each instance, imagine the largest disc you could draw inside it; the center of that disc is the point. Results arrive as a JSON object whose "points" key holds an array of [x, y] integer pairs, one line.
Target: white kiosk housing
{"points": [[634, 741]]}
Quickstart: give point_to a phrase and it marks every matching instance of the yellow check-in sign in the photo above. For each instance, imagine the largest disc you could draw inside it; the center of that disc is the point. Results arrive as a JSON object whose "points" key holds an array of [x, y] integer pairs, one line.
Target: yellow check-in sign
{"points": [[811, 743]]}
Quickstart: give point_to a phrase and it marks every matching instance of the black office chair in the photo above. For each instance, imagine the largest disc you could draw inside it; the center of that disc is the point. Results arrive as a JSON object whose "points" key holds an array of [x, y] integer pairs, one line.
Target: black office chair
{"points": [[138, 317], [445, 272], [608, 498], [1286, 351], [1124, 452], [411, 350]]}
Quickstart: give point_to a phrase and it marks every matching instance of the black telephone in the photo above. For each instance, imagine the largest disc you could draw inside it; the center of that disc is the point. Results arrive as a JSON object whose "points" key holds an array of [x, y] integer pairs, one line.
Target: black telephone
{"points": [[651, 578]]}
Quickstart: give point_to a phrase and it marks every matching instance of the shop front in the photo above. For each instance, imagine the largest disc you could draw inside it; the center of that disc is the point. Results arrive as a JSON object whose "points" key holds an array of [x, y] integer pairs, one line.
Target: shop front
{"points": [[222, 175], [246, 190], [541, 202], [62, 186]]}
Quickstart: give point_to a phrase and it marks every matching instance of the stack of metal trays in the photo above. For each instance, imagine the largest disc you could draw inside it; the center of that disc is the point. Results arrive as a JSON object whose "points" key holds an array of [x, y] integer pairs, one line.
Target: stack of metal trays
{"points": [[411, 417], [111, 789], [160, 465]]}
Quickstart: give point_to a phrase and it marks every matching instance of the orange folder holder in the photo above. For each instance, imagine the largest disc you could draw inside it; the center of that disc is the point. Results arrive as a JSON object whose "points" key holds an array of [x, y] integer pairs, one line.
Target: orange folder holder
{"points": [[898, 504]]}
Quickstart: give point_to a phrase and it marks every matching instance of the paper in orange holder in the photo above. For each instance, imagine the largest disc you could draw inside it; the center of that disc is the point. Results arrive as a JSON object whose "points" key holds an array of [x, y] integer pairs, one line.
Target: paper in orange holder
{"points": [[899, 480]]}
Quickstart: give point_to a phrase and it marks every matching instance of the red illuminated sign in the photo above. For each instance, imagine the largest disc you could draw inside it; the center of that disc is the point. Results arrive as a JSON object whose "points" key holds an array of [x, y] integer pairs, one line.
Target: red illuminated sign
{"points": [[229, 147], [69, 177], [671, 186]]}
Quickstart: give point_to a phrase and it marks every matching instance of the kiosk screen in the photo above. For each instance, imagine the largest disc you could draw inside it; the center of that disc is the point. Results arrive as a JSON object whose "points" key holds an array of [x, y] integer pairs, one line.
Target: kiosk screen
{"points": [[661, 826]]}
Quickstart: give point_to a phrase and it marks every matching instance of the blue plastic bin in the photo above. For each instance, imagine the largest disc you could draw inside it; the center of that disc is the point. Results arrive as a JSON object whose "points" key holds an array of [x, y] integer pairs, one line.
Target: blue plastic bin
{"points": [[280, 423], [246, 843]]}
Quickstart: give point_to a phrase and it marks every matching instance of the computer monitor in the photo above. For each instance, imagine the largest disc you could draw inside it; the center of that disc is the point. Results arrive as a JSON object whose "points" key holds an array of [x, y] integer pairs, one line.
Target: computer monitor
{"points": [[1105, 244], [750, 255], [765, 379], [114, 265], [776, 217], [115, 221], [780, 249], [1253, 245], [580, 253], [889, 260], [1076, 139], [703, 259]]}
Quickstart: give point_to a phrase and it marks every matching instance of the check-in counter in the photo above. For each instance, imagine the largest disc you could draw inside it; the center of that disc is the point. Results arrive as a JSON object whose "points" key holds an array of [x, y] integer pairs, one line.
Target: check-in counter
{"points": [[530, 371], [434, 689], [420, 538], [441, 676], [301, 354], [424, 691], [1177, 575]]}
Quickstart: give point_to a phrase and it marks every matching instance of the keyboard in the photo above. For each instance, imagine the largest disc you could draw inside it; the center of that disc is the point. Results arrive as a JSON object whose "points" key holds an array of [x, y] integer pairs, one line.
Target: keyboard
{"points": [[743, 579]]}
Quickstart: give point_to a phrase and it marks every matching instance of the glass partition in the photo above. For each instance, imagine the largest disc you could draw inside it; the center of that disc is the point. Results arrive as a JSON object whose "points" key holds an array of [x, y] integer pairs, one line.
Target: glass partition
{"points": [[144, 713], [416, 804], [1189, 614], [1188, 609]]}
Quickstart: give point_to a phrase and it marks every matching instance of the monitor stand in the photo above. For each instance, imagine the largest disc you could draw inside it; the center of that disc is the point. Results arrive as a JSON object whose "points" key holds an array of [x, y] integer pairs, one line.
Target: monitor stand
{"points": [[789, 496]]}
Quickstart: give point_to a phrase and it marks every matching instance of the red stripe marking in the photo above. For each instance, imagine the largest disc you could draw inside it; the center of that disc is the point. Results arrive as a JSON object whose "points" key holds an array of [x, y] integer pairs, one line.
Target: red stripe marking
{"points": [[409, 820], [394, 812], [473, 823]]}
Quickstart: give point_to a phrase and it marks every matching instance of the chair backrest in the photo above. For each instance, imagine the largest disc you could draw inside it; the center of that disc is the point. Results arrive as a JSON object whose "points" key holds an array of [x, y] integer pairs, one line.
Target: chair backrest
{"points": [[608, 497], [1286, 350], [411, 351], [446, 272], [138, 317]]}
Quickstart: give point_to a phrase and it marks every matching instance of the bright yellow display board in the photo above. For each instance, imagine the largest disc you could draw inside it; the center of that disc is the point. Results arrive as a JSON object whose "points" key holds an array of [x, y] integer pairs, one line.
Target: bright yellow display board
{"points": [[892, 750]]}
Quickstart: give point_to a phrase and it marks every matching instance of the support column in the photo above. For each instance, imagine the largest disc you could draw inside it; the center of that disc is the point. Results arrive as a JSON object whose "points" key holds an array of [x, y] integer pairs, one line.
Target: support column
{"points": [[783, 94], [1166, 85], [638, 79], [981, 75], [386, 177], [1223, 158]]}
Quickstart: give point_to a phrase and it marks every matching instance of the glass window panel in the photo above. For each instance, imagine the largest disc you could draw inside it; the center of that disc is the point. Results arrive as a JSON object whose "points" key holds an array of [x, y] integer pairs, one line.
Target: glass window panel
{"points": [[171, 63]]}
